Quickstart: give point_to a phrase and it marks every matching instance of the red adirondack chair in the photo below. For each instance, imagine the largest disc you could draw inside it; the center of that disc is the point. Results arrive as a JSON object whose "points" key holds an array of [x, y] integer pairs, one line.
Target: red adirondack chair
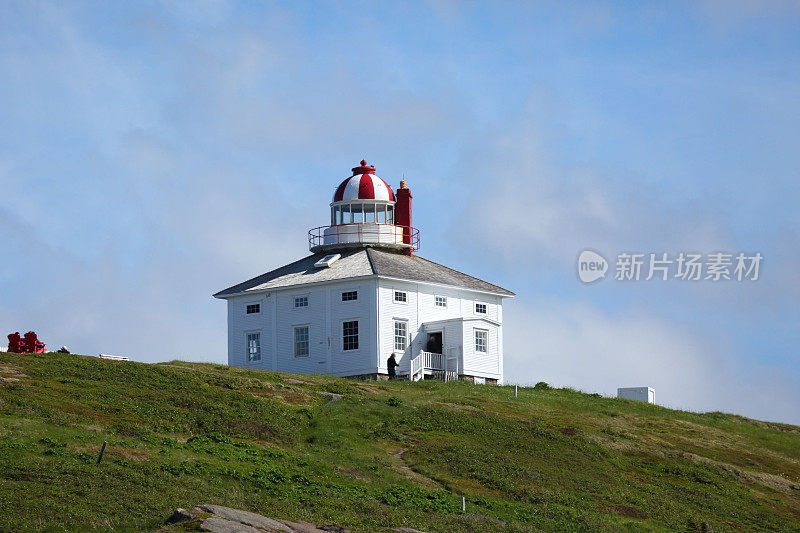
{"points": [[15, 343], [32, 344]]}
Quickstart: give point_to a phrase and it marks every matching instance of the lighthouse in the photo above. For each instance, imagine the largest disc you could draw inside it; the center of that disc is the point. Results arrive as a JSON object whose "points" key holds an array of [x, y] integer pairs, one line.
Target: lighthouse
{"points": [[365, 211], [363, 294]]}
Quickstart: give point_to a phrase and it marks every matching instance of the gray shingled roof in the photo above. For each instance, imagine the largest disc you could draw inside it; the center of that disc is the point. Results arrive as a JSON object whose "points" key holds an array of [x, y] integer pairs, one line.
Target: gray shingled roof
{"points": [[363, 262]]}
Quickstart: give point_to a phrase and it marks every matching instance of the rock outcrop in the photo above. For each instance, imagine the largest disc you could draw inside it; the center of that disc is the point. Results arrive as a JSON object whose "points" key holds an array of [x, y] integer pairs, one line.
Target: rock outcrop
{"points": [[219, 519]]}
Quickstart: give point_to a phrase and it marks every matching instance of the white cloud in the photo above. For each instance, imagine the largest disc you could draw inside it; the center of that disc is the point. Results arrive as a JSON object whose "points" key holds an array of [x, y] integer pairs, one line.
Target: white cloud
{"points": [[532, 208], [536, 216], [566, 343]]}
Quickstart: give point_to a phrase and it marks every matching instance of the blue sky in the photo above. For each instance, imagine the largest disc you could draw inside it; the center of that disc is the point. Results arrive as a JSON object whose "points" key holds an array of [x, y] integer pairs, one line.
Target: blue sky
{"points": [[152, 153]]}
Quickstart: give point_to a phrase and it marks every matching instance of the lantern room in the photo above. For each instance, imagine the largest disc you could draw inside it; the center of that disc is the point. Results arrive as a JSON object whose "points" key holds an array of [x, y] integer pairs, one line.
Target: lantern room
{"points": [[365, 211], [363, 198]]}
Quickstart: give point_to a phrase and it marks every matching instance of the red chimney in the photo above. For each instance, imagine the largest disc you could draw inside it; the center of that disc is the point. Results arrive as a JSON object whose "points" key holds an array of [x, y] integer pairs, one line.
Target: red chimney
{"points": [[402, 210]]}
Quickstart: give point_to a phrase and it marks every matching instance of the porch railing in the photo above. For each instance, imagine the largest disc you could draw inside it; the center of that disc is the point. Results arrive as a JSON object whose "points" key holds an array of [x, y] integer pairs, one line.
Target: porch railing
{"points": [[416, 369], [440, 366], [432, 361]]}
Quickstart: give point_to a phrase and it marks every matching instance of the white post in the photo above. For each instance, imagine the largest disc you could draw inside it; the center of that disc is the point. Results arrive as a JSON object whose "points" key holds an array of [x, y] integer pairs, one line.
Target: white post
{"points": [[515, 391], [463, 504]]}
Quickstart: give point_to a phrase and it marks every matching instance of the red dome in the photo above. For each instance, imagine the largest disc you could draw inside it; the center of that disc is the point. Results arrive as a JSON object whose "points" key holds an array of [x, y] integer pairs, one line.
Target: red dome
{"points": [[363, 185]]}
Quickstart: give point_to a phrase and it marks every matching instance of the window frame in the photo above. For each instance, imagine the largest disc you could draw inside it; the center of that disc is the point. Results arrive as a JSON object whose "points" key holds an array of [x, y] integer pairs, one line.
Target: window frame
{"points": [[437, 298], [307, 340], [349, 300], [370, 213], [345, 336], [485, 308], [485, 333], [357, 213], [296, 297], [248, 352], [363, 212], [395, 292], [404, 336], [247, 307]]}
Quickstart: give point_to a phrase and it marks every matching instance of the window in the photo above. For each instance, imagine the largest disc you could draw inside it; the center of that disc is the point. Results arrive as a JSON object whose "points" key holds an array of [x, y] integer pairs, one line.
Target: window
{"points": [[254, 346], [327, 261], [369, 213], [481, 340], [441, 301], [350, 335], [349, 296], [301, 301], [480, 308], [400, 335], [400, 296], [301, 341], [358, 213], [253, 308]]}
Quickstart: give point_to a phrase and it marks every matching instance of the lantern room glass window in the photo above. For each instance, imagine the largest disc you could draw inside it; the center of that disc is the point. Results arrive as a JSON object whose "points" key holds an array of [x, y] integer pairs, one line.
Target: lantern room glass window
{"points": [[362, 213], [358, 213]]}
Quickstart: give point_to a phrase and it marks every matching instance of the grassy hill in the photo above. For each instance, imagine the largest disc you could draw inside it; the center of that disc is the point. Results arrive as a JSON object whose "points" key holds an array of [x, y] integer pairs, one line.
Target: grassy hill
{"points": [[372, 455]]}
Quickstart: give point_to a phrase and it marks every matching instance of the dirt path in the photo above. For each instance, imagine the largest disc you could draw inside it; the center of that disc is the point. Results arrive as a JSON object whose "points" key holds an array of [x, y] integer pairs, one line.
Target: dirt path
{"points": [[411, 474], [334, 397]]}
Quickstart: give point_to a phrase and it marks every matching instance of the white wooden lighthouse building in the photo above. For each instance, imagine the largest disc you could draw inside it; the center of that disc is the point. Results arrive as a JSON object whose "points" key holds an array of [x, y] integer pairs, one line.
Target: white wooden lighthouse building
{"points": [[363, 295]]}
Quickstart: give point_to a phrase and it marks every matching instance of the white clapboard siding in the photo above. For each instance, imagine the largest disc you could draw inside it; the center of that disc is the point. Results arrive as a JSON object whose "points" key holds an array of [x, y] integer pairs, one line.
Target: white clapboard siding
{"points": [[361, 361], [482, 364], [324, 316], [240, 324], [423, 315], [376, 311]]}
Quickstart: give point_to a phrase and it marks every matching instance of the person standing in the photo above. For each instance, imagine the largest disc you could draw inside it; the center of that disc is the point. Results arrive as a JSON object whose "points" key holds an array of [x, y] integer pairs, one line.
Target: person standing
{"points": [[392, 365]]}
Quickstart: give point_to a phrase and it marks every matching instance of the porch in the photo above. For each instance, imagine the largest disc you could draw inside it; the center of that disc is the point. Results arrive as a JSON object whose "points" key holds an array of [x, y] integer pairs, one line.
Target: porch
{"points": [[436, 365]]}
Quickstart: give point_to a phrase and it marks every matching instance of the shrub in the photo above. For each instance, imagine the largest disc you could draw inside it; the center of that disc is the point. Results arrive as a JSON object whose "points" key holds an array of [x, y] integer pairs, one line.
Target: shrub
{"points": [[542, 385], [394, 401]]}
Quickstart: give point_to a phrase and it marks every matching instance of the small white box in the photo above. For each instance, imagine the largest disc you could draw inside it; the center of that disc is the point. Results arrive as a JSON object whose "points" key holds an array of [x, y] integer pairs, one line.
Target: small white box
{"points": [[640, 394], [113, 357]]}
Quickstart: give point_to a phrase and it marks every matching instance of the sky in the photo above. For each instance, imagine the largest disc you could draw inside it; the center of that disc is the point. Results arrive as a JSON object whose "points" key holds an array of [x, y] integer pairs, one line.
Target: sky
{"points": [[154, 153]]}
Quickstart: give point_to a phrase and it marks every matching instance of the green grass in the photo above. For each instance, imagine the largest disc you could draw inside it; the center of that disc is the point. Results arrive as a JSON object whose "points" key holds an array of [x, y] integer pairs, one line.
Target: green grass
{"points": [[181, 434]]}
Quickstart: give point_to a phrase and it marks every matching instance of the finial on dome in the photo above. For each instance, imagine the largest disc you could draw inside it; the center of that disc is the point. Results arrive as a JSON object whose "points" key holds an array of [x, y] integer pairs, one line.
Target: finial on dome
{"points": [[364, 168]]}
